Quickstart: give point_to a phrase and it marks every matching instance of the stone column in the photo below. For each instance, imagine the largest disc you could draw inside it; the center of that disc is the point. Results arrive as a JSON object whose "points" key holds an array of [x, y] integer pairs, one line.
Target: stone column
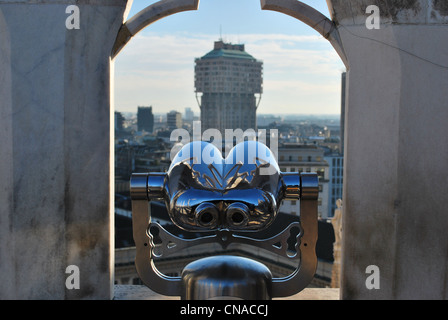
{"points": [[56, 158], [396, 149], [336, 222]]}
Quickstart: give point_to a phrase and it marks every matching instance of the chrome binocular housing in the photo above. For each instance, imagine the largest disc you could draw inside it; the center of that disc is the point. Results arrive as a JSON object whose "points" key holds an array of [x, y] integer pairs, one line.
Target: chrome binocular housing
{"points": [[239, 194]]}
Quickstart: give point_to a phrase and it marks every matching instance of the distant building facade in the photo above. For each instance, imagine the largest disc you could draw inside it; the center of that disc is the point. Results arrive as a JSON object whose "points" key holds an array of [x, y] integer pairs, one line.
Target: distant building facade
{"points": [[335, 185], [229, 79], [145, 119], [294, 157], [174, 120], [118, 121], [343, 102], [189, 114]]}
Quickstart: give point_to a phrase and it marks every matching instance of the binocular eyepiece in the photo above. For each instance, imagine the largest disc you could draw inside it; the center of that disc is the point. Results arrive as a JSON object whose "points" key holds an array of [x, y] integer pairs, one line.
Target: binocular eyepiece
{"points": [[236, 216]]}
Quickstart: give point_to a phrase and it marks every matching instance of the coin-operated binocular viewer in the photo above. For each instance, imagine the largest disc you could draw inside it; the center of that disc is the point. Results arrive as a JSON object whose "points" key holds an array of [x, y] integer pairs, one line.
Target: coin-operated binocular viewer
{"points": [[232, 198]]}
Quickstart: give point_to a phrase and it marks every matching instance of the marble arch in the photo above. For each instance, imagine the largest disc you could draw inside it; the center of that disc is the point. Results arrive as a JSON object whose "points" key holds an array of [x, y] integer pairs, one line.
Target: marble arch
{"points": [[293, 8]]}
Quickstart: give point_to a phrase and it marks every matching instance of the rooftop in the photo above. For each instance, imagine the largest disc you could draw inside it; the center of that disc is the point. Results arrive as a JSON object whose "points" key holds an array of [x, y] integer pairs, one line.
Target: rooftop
{"points": [[225, 53], [295, 145], [228, 50]]}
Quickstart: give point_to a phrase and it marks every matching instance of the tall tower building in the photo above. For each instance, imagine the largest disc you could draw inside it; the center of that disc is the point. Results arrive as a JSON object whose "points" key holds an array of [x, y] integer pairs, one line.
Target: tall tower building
{"points": [[228, 82], [145, 119], [119, 120]]}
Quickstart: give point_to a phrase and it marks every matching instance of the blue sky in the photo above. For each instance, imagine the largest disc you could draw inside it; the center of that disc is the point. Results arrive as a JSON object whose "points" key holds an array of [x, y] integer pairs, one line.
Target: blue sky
{"points": [[301, 69]]}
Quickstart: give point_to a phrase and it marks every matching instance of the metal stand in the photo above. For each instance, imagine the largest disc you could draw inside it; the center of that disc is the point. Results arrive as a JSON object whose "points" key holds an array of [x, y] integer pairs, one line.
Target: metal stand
{"points": [[201, 197], [226, 277]]}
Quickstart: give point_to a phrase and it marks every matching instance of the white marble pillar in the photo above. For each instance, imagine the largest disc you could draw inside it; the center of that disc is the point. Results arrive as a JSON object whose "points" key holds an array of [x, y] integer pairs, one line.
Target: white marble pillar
{"points": [[56, 151], [336, 222], [396, 150]]}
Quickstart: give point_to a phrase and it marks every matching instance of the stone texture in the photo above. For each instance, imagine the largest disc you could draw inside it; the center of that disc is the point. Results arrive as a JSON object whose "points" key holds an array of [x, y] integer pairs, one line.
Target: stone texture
{"points": [[392, 11], [56, 168], [396, 162]]}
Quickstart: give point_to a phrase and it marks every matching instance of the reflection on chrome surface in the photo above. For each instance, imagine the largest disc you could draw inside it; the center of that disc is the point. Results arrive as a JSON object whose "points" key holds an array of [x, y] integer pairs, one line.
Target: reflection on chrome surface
{"points": [[243, 192], [204, 191]]}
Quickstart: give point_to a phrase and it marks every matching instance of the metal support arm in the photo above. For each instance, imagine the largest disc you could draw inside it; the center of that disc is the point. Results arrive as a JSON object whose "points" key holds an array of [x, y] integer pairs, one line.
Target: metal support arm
{"points": [[153, 241]]}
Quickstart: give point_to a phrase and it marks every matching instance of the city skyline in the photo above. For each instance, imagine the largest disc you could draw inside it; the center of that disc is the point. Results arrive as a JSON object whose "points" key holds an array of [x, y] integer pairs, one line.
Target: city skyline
{"points": [[301, 73]]}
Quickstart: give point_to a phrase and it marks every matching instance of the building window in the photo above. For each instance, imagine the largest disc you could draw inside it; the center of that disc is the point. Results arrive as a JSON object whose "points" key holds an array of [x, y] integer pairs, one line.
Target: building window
{"points": [[321, 173]]}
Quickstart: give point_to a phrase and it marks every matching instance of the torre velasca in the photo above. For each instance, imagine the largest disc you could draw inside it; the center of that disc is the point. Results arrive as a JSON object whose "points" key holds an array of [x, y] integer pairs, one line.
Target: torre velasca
{"points": [[228, 86]]}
